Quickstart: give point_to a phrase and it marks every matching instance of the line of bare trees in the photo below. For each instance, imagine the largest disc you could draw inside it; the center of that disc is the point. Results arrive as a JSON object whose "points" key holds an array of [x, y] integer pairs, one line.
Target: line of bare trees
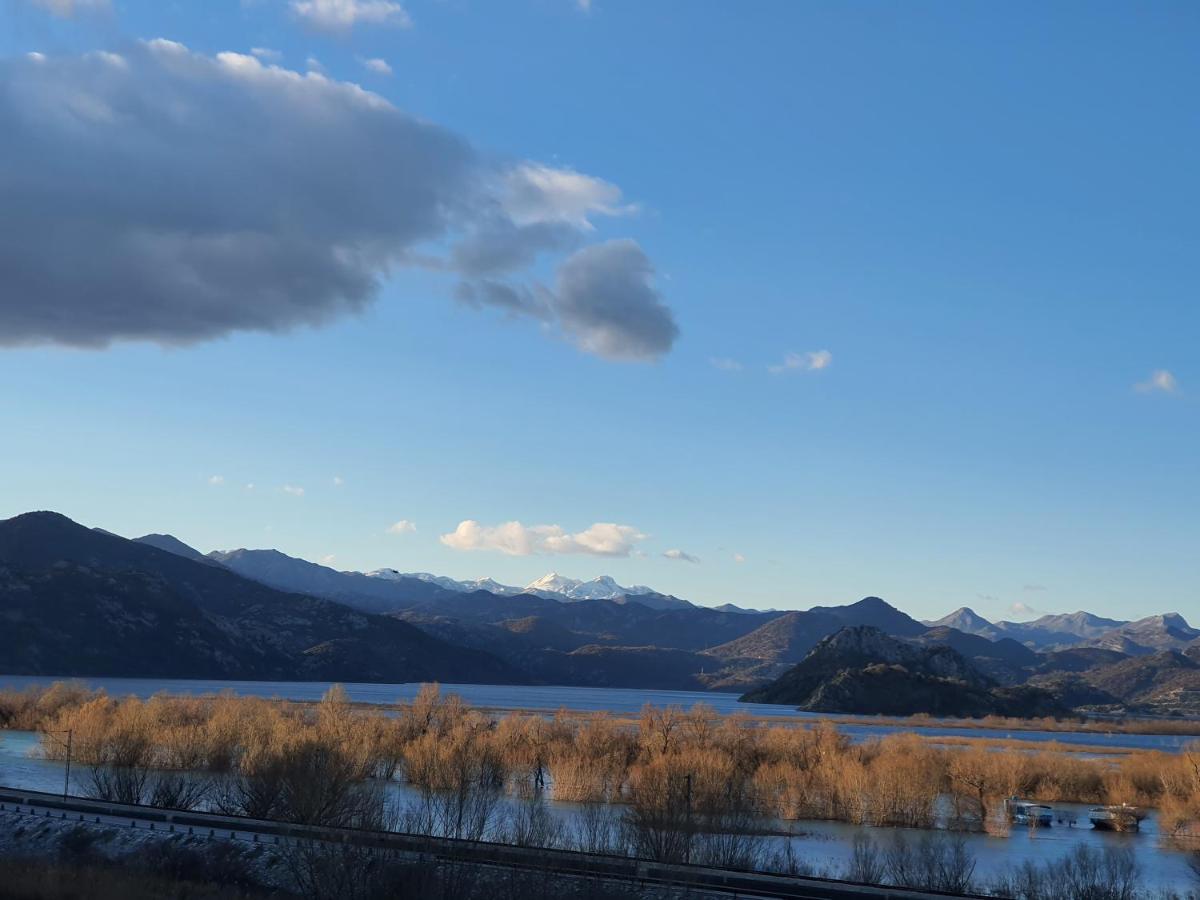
{"points": [[721, 776]]}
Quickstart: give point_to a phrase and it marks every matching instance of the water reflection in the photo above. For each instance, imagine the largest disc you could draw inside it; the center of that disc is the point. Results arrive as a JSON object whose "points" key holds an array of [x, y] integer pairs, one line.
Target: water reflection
{"points": [[824, 846]]}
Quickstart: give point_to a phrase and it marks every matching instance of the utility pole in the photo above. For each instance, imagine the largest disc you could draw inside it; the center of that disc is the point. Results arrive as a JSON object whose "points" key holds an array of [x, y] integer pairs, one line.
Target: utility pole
{"points": [[67, 776], [70, 733]]}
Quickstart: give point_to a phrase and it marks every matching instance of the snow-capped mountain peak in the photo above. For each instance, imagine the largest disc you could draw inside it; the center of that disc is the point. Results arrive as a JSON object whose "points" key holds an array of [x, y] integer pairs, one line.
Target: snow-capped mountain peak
{"points": [[449, 584], [604, 587], [550, 587]]}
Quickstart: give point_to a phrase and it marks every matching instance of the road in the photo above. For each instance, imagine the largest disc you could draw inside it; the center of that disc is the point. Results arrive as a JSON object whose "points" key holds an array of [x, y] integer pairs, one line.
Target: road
{"points": [[727, 882]]}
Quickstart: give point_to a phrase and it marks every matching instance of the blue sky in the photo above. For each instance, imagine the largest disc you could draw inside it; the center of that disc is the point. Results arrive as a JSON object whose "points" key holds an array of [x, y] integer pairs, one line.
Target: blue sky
{"points": [[971, 227]]}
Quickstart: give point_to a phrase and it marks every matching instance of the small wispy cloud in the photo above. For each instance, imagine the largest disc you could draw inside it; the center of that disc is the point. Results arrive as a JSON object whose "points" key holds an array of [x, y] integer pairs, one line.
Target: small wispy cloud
{"points": [[215, 480], [327, 559], [1033, 588], [1160, 381], [338, 481], [314, 65], [250, 485], [515, 539], [404, 526], [376, 65], [293, 490], [344, 15], [1023, 611], [812, 361], [266, 54], [988, 598], [584, 6], [739, 558], [680, 556], [725, 364]]}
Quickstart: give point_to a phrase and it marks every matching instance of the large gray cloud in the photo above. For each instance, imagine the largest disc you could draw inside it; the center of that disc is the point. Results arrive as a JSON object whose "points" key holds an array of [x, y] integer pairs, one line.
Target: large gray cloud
{"points": [[606, 300], [170, 196]]}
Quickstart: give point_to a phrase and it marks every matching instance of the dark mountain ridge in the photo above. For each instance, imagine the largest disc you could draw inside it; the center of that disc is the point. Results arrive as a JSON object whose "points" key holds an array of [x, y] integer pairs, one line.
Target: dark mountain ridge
{"points": [[79, 601], [860, 669], [83, 601]]}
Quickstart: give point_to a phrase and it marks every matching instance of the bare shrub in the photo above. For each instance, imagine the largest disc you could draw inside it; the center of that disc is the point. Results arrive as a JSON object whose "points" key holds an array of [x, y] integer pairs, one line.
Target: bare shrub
{"points": [[592, 767], [934, 862], [304, 781], [597, 829], [175, 790], [1082, 874], [659, 823], [866, 865], [529, 823]]}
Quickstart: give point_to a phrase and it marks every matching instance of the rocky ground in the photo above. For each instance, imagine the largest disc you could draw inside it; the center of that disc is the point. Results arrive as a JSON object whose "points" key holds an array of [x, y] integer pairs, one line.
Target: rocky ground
{"points": [[240, 868]]}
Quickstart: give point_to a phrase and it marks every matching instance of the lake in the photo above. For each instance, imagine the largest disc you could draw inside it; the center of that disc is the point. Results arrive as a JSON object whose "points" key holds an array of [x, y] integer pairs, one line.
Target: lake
{"points": [[620, 701]]}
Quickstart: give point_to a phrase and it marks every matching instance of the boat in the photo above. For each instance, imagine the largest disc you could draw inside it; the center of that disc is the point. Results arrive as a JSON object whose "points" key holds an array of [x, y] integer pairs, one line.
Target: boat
{"points": [[1117, 818], [1026, 812]]}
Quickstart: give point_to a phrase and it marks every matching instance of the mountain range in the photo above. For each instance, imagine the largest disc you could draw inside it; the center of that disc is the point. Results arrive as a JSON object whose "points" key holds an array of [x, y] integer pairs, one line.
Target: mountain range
{"points": [[81, 601], [1057, 632], [551, 587]]}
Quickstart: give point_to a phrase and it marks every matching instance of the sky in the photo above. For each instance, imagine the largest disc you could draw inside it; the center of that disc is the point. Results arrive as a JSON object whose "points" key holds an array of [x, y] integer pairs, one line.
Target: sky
{"points": [[777, 304]]}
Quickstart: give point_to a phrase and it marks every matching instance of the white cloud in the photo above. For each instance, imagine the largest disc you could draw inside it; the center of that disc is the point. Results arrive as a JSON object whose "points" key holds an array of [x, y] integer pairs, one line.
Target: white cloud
{"points": [[327, 559], [232, 247], [1033, 588], [67, 9], [338, 481], [533, 193], [314, 65], [1023, 611], [1160, 380], [725, 364], [404, 526], [584, 6], [293, 490], [216, 479], [812, 361], [266, 54], [515, 539], [378, 66], [343, 15], [738, 558], [680, 556], [250, 486]]}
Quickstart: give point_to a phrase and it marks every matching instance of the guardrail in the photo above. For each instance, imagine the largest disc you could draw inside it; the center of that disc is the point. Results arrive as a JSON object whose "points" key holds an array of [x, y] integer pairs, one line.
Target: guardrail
{"points": [[562, 862]]}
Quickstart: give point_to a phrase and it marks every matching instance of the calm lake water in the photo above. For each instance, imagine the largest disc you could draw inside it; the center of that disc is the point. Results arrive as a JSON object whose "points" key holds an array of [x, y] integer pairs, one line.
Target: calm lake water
{"points": [[614, 700]]}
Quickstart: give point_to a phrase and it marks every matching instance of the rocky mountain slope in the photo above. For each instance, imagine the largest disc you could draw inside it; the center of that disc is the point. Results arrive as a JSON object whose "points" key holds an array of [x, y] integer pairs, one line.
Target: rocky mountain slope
{"points": [[78, 601], [860, 669]]}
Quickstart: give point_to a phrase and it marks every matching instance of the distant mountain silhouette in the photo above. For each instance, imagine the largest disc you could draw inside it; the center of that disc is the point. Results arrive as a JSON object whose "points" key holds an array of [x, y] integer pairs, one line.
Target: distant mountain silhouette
{"points": [[172, 544], [77, 601], [365, 592], [967, 621]]}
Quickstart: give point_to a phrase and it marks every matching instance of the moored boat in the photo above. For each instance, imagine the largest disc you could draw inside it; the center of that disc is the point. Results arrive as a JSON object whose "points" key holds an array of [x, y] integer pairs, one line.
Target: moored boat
{"points": [[1117, 818], [1025, 812]]}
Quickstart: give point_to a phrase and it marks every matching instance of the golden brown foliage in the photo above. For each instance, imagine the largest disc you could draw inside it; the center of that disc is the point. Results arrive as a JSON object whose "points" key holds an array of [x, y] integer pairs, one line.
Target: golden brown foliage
{"points": [[709, 763]]}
